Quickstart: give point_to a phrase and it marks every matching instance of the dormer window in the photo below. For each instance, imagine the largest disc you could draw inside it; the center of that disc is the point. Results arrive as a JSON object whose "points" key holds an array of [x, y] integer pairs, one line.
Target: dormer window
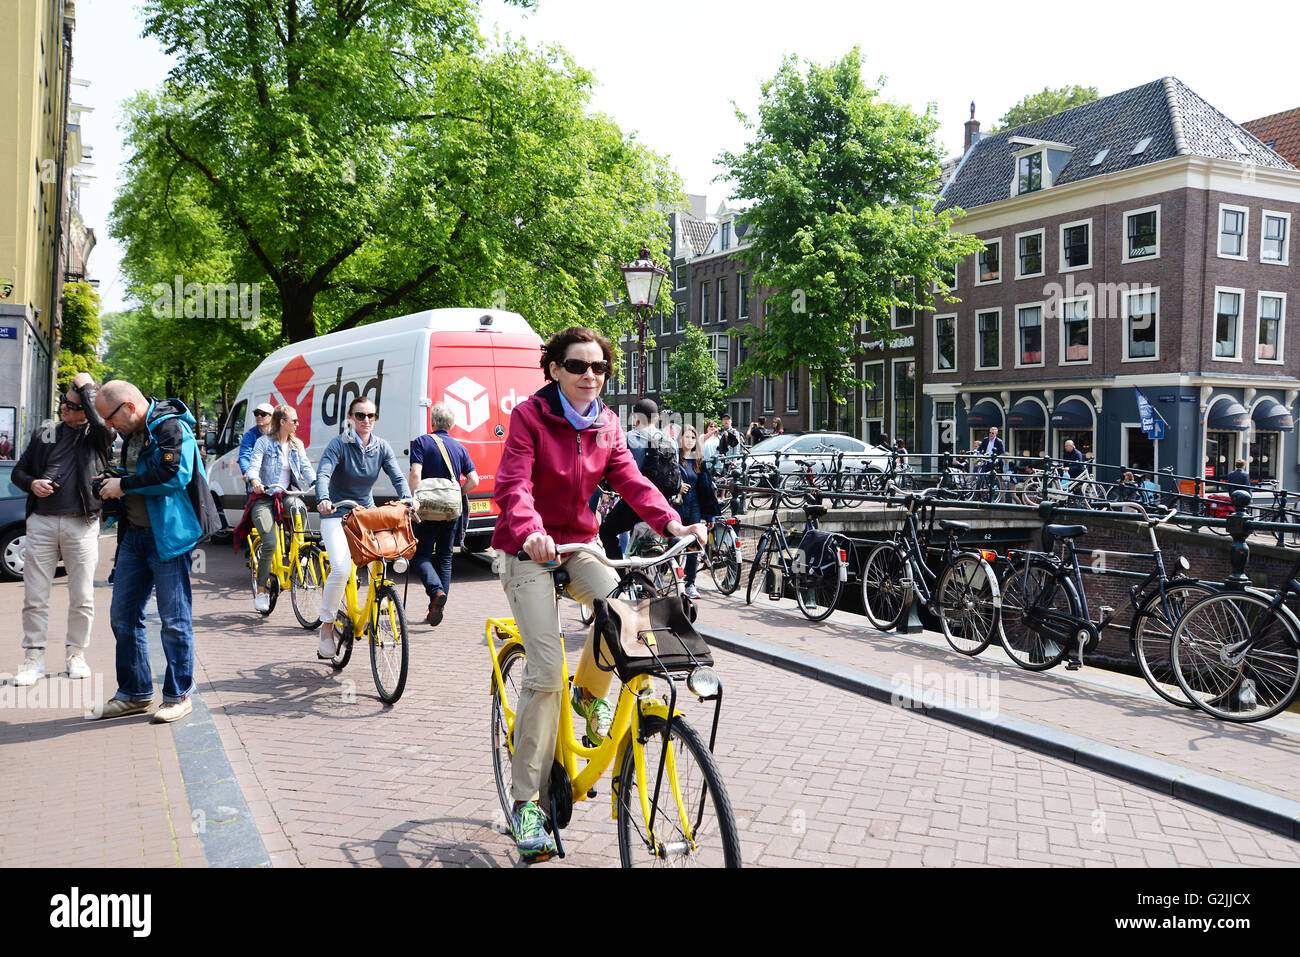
{"points": [[726, 235], [1029, 173]]}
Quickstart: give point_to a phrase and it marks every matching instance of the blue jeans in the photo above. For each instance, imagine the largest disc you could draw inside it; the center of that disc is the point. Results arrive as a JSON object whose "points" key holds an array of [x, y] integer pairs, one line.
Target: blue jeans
{"points": [[139, 572], [433, 554]]}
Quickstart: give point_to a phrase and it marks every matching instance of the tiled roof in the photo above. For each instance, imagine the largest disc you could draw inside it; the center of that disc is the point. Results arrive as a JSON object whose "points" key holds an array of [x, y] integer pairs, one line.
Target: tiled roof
{"points": [[698, 232], [1283, 130], [1177, 120]]}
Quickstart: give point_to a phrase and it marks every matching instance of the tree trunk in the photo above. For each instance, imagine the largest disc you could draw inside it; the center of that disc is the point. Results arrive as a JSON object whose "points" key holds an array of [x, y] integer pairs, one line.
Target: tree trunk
{"points": [[299, 320]]}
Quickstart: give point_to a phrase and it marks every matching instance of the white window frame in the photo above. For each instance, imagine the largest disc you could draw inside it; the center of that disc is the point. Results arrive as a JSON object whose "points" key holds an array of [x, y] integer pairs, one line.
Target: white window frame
{"points": [[1124, 313], [1123, 445], [722, 299], [1241, 323], [663, 370], [1060, 331], [769, 394], [1286, 242], [1042, 326], [1124, 249], [978, 313], [1002, 264], [1044, 175], [742, 297], [1091, 245], [893, 394], [1245, 232], [937, 423], [1042, 253], [1281, 326], [893, 310], [792, 391], [866, 421], [681, 276], [723, 351], [956, 346], [704, 301]]}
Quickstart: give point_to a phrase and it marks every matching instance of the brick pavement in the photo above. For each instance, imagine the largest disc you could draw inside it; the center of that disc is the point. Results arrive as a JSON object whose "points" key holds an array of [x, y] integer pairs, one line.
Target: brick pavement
{"points": [[333, 777]]}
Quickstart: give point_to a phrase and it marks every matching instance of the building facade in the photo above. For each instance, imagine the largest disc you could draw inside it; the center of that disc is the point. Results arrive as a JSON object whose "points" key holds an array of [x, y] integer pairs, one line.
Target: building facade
{"points": [[1140, 243]]}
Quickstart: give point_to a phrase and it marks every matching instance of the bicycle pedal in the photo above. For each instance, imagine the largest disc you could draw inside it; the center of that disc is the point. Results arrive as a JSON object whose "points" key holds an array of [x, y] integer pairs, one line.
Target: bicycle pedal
{"points": [[591, 793], [1072, 665]]}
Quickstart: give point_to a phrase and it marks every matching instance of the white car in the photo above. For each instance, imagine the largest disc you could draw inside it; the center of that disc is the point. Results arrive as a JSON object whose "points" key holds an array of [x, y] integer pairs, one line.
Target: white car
{"points": [[785, 450]]}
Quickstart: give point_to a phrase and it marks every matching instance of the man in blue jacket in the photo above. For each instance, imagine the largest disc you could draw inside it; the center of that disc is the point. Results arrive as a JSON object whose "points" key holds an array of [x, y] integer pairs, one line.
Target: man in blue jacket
{"points": [[261, 426], [168, 511]]}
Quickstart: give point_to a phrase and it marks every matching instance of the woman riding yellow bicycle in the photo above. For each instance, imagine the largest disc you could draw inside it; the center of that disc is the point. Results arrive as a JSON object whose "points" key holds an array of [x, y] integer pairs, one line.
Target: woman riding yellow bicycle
{"points": [[562, 442], [279, 460]]}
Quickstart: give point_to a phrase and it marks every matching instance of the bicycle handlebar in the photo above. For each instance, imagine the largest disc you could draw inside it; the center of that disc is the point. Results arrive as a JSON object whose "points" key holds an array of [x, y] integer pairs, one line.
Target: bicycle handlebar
{"points": [[678, 546]]}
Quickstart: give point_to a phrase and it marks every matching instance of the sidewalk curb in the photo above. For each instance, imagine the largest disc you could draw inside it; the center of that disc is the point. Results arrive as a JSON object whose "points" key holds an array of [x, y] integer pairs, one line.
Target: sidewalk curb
{"points": [[1245, 804]]}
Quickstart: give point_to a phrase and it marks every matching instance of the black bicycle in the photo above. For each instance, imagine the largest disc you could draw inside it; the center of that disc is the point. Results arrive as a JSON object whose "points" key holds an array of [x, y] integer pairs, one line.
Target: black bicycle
{"points": [[964, 594], [815, 569]]}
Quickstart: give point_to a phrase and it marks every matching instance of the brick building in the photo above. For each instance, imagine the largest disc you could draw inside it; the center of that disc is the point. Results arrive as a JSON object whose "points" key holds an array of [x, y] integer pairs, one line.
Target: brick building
{"points": [[1140, 240]]}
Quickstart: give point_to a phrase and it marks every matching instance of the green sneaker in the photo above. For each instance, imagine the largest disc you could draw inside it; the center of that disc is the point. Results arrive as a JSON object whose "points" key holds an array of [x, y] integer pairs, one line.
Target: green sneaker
{"points": [[598, 713], [531, 837]]}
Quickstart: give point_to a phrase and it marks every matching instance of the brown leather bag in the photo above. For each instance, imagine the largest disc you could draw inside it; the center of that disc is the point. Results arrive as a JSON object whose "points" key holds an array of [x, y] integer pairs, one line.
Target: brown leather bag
{"points": [[381, 532]]}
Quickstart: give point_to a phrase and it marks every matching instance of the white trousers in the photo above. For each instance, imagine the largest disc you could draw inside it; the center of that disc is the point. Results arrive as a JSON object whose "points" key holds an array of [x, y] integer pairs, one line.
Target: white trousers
{"points": [[76, 541], [336, 546]]}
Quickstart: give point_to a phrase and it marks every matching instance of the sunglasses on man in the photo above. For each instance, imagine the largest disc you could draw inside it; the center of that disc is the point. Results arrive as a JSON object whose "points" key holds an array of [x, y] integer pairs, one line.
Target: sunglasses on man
{"points": [[63, 401], [580, 367]]}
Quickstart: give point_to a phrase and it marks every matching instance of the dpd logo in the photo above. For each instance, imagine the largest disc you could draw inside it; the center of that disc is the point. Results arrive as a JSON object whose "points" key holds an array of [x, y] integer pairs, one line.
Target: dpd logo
{"points": [[468, 401], [291, 384]]}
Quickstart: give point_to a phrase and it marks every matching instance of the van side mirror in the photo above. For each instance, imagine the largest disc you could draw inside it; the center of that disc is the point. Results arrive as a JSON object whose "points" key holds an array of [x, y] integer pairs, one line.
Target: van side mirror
{"points": [[210, 441]]}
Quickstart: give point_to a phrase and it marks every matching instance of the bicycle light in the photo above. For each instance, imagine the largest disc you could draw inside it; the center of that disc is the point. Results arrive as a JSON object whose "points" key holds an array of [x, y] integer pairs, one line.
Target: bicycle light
{"points": [[988, 554], [1184, 564], [844, 564], [704, 682], [400, 565]]}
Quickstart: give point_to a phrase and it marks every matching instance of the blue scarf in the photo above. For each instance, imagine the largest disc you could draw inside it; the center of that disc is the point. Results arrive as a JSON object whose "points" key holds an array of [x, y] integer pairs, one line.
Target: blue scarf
{"points": [[576, 418]]}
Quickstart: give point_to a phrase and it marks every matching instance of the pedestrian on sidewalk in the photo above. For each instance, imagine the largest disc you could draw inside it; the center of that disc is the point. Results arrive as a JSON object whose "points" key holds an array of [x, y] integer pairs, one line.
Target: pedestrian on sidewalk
{"points": [[56, 471], [168, 511], [439, 456], [699, 501]]}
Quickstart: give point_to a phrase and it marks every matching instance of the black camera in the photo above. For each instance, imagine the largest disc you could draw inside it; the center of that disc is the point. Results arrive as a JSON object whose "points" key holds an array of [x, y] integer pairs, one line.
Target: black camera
{"points": [[113, 507]]}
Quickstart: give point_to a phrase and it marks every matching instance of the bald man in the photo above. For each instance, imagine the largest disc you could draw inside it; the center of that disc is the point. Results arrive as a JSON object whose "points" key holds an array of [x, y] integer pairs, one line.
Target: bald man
{"points": [[168, 511]]}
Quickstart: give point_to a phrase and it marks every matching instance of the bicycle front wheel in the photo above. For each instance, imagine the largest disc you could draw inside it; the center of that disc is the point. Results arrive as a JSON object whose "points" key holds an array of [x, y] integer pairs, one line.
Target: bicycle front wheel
{"points": [[724, 560], [1031, 642], [968, 598], [817, 581], [254, 547], [1030, 490], [694, 825], [390, 647], [307, 585], [886, 585], [758, 570], [505, 699], [1152, 630], [1237, 659]]}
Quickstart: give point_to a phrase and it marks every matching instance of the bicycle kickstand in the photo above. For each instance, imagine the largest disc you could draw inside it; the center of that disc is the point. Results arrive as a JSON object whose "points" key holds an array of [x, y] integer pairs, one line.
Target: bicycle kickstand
{"points": [[1075, 662]]}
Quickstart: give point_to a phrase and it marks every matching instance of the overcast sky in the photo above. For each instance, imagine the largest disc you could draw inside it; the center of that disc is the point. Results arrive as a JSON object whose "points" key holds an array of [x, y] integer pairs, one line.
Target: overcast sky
{"points": [[669, 71]]}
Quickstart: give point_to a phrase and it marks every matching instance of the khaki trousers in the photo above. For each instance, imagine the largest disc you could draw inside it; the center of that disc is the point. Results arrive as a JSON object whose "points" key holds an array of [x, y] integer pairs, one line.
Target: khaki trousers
{"points": [[263, 516], [530, 590], [50, 537]]}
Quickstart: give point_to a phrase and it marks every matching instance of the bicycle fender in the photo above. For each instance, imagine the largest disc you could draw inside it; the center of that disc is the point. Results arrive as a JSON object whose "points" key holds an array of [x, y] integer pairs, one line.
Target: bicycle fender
{"points": [[655, 709], [496, 668]]}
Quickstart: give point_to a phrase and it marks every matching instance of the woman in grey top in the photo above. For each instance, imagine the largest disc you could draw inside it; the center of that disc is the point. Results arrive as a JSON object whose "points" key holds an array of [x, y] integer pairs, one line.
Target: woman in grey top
{"points": [[348, 470]]}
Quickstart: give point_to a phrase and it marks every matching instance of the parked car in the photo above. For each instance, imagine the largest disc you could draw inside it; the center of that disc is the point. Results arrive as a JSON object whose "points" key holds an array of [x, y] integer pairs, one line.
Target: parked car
{"points": [[13, 525], [819, 447]]}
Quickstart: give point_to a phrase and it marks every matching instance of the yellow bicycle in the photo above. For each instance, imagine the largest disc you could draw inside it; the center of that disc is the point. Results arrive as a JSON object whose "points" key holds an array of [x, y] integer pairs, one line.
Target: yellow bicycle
{"points": [[298, 564], [381, 620], [667, 793]]}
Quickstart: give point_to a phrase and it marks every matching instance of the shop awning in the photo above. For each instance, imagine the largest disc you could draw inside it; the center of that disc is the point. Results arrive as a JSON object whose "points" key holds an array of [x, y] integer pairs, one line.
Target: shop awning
{"points": [[1026, 415], [1272, 416], [1228, 416], [984, 414], [1072, 414]]}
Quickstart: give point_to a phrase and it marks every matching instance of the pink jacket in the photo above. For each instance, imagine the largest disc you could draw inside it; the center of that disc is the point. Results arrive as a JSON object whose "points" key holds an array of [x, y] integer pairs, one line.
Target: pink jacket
{"points": [[549, 470]]}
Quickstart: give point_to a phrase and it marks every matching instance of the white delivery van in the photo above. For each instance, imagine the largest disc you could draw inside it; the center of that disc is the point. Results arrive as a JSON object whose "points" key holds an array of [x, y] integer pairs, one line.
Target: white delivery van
{"points": [[480, 362]]}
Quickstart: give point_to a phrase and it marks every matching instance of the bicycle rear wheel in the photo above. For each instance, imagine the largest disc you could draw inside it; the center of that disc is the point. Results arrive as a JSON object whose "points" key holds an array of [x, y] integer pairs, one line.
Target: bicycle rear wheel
{"points": [[1235, 659], [1032, 644], [307, 585], [968, 599], [724, 560], [758, 570], [390, 647], [886, 585], [1152, 630], [694, 825], [1030, 491], [511, 663], [817, 582]]}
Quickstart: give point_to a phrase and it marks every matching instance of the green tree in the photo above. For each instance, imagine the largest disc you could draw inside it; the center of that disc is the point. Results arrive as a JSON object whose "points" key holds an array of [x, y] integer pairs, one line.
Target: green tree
{"points": [[363, 160], [80, 334], [841, 186], [1035, 106], [694, 376]]}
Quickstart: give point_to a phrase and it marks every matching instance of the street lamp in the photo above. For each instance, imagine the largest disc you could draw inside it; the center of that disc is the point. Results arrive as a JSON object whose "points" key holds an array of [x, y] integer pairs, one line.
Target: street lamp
{"points": [[643, 278]]}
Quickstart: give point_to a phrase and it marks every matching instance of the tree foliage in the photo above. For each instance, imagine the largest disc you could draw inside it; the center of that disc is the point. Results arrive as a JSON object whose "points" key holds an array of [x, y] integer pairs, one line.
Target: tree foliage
{"points": [[1035, 106], [696, 387], [360, 160], [80, 333], [841, 190]]}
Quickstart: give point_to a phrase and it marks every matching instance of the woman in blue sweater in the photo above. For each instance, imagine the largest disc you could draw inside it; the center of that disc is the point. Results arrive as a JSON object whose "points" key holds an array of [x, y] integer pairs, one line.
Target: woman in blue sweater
{"points": [[348, 470], [699, 502]]}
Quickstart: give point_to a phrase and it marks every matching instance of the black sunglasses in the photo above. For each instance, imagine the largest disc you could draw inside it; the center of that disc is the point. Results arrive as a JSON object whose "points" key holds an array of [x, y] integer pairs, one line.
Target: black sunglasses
{"points": [[579, 367], [365, 415], [63, 400], [109, 417]]}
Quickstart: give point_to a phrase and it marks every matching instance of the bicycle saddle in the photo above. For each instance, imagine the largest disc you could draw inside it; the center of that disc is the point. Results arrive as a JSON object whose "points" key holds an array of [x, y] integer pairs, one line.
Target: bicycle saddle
{"points": [[952, 526], [814, 511], [1066, 531]]}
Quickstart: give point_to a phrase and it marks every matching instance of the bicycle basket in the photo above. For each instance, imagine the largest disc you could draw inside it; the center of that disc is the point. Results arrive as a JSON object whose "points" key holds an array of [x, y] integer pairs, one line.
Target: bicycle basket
{"points": [[647, 636], [378, 533]]}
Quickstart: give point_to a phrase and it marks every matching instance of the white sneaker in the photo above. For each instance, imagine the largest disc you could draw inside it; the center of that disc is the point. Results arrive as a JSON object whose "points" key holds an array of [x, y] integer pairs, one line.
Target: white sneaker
{"points": [[326, 648], [77, 667], [262, 602], [33, 668], [692, 592]]}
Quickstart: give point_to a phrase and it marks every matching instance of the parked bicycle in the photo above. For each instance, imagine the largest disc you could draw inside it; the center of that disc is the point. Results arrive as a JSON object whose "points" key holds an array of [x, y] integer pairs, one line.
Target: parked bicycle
{"points": [[964, 594], [1277, 511], [815, 570], [667, 793]]}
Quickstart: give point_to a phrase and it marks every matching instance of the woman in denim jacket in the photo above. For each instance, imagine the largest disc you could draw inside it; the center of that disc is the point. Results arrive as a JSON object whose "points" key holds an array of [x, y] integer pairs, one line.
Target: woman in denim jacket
{"points": [[279, 459]]}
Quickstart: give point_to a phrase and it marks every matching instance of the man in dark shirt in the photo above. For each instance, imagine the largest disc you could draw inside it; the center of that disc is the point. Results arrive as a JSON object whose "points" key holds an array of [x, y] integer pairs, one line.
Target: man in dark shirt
{"points": [[1239, 477], [436, 540], [1074, 457], [56, 470]]}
